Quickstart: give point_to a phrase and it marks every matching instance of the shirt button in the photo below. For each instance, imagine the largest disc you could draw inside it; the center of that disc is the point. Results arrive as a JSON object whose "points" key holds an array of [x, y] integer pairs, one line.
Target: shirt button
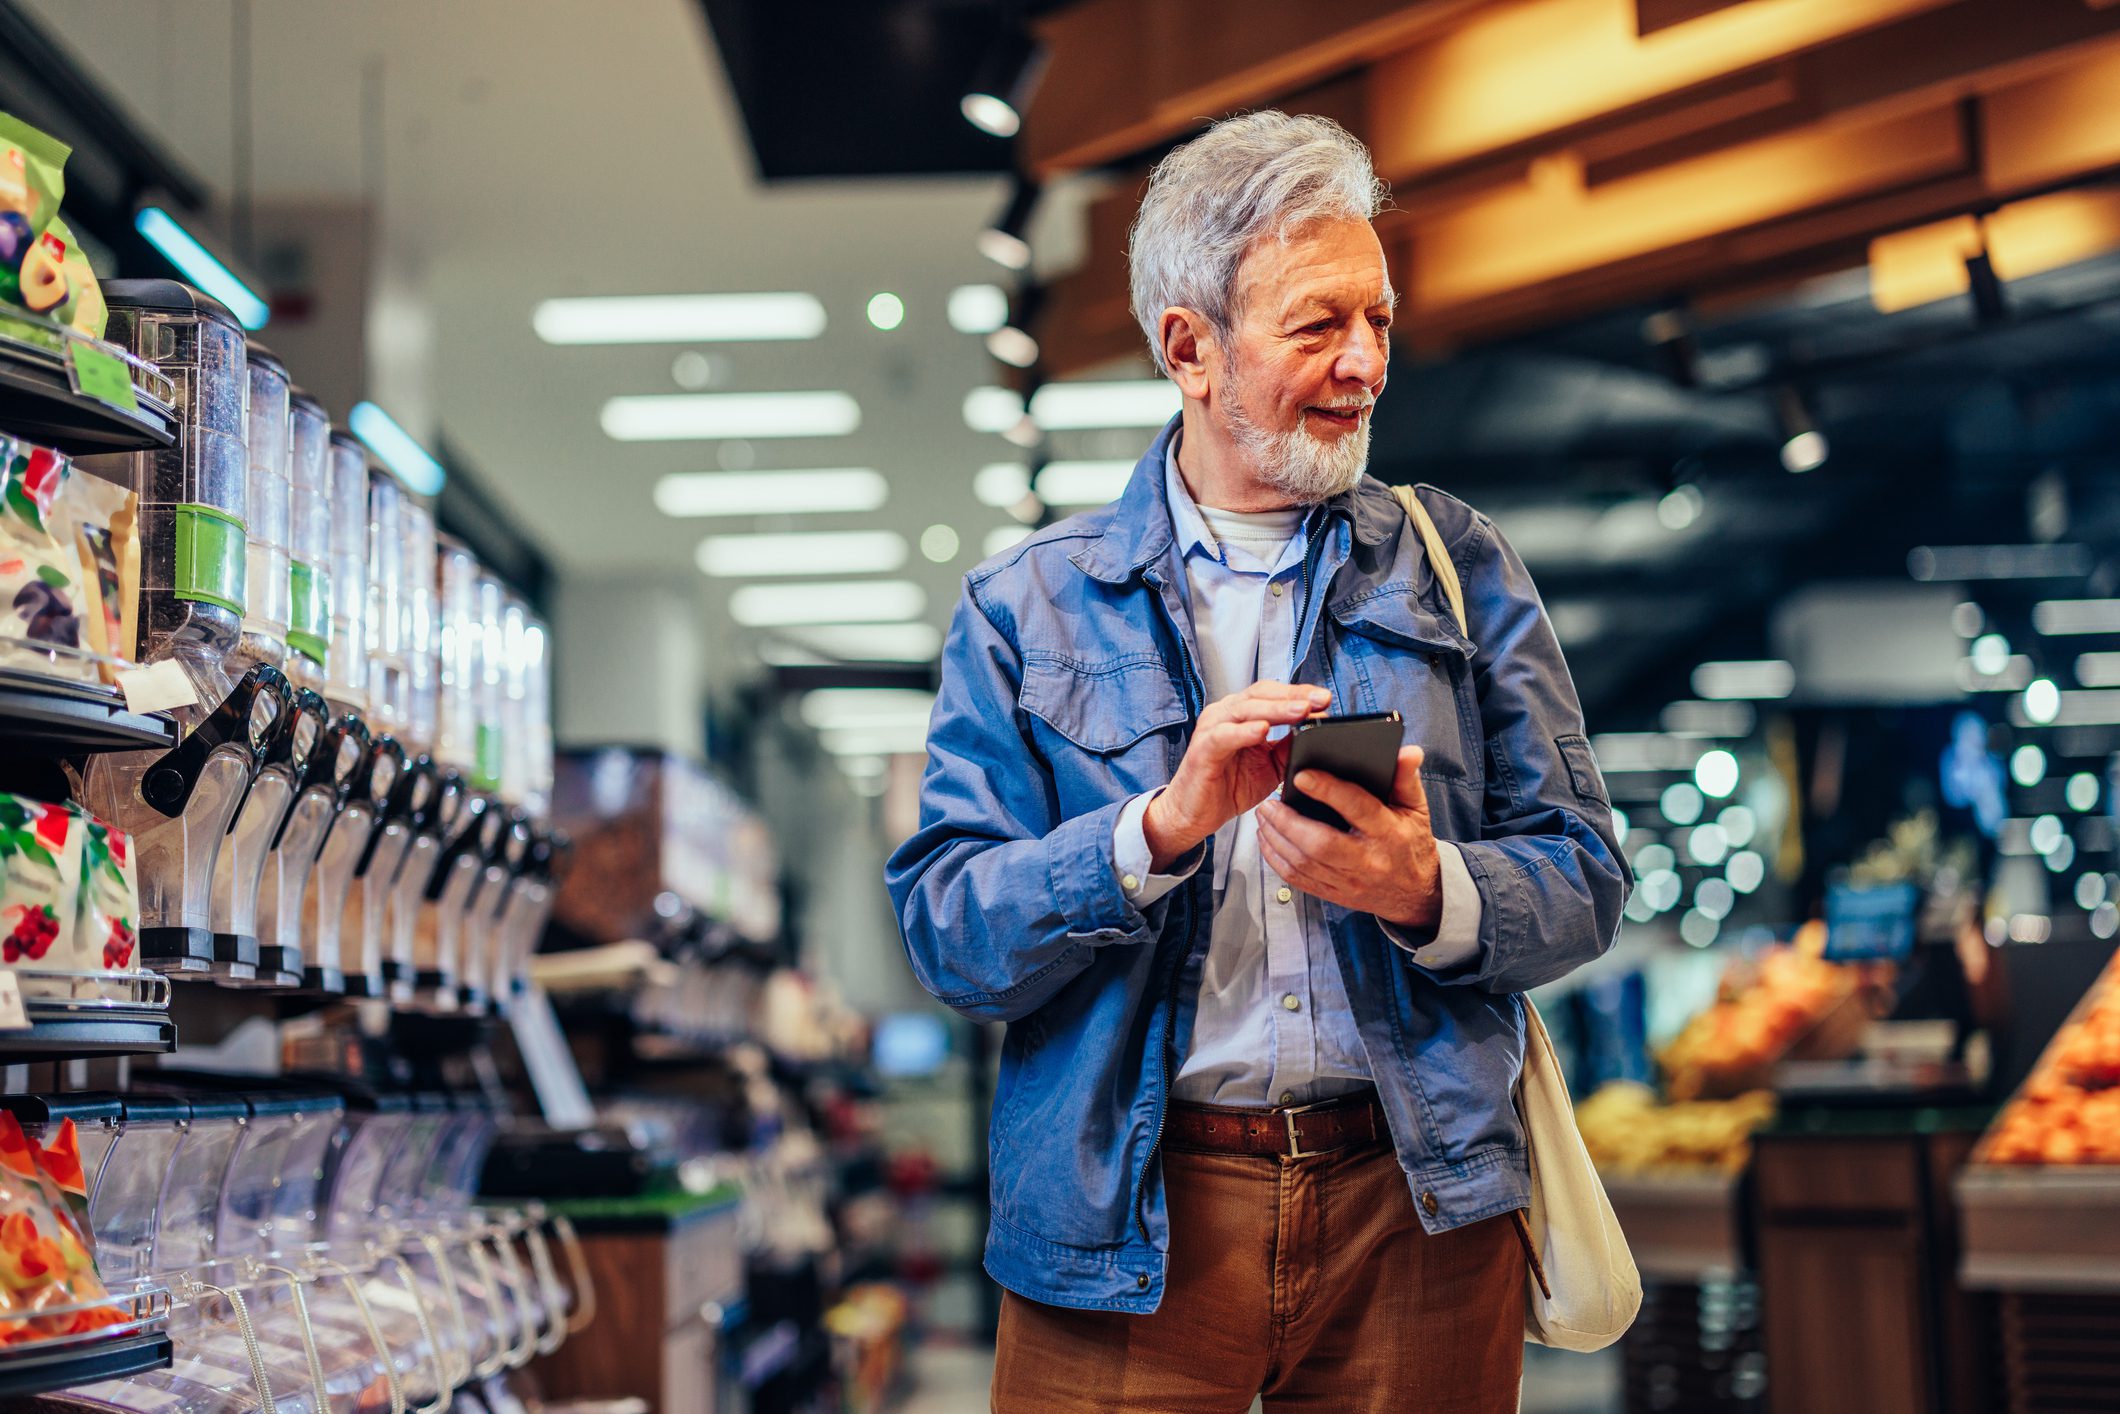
{"points": [[1128, 881], [1428, 1204], [1292, 1002], [1142, 1281], [1288, 1097], [1278, 589], [1284, 894]]}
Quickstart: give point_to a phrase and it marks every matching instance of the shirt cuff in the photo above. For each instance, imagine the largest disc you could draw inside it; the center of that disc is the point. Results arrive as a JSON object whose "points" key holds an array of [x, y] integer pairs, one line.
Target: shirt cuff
{"points": [[1132, 858], [1457, 935]]}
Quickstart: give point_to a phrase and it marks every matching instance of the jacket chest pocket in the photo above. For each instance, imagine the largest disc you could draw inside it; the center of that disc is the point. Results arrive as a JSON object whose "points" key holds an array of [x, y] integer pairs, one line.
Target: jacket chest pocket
{"points": [[1108, 730], [1406, 659]]}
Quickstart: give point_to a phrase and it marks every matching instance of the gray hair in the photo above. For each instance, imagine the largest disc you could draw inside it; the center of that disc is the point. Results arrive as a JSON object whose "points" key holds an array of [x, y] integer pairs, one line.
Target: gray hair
{"points": [[1252, 177]]}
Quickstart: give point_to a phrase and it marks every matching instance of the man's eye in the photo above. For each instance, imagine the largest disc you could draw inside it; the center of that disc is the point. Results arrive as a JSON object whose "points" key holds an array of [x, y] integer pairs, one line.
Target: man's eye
{"points": [[1320, 327]]}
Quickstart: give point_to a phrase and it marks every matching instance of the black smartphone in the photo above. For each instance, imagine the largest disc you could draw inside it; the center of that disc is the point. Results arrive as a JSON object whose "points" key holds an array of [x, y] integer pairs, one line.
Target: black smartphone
{"points": [[1362, 748]]}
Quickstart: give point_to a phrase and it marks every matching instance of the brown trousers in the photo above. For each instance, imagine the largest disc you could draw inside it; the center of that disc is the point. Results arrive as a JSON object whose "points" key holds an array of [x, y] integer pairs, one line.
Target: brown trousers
{"points": [[1307, 1281]]}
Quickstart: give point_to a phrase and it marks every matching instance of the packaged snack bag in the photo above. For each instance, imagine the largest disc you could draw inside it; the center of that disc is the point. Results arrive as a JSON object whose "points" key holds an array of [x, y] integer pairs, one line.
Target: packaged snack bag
{"points": [[104, 927], [101, 518], [82, 308], [32, 179], [40, 572], [39, 883], [45, 1257]]}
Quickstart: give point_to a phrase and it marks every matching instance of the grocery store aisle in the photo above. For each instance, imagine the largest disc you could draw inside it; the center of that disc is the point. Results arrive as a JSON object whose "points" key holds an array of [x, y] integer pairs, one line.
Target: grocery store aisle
{"points": [[952, 1379]]}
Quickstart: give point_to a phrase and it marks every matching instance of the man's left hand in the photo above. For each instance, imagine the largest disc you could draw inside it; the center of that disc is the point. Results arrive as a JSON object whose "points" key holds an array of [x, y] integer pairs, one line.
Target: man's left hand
{"points": [[1384, 863]]}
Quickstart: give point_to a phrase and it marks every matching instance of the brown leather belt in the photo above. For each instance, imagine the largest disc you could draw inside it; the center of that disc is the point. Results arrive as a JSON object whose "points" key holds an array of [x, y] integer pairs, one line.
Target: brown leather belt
{"points": [[1292, 1132]]}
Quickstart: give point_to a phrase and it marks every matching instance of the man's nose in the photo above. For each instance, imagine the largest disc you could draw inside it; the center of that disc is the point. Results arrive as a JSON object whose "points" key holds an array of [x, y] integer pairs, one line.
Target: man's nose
{"points": [[1362, 356]]}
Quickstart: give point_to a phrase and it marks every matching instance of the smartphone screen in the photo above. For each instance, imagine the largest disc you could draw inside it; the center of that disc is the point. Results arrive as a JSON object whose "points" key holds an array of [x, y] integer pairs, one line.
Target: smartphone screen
{"points": [[1362, 748]]}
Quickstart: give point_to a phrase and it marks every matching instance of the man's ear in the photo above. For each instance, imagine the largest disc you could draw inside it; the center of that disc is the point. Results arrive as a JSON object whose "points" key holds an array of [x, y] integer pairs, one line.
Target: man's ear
{"points": [[1187, 341]]}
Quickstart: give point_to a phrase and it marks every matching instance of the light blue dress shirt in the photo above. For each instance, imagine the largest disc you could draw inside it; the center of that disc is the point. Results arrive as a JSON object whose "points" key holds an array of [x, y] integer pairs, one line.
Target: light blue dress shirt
{"points": [[1273, 1025]]}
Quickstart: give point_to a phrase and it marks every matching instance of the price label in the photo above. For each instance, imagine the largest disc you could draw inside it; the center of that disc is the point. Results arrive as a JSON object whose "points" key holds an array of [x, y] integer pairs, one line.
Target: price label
{"points": [[12, 1015], [99, 375]]}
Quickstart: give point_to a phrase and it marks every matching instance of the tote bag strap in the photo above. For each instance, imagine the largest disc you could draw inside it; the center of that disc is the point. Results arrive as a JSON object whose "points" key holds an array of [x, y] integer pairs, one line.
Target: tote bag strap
{"points": [[1438, 554]]}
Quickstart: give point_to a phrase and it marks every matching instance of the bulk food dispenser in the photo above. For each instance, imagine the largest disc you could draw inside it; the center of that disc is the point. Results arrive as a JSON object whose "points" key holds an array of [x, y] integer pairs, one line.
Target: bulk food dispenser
{"points": [[438, 934], [362, 937], [341, 742], [193, 500], [506, 837], [411, 977], [525, 901], [346, 678], [239, 870]]}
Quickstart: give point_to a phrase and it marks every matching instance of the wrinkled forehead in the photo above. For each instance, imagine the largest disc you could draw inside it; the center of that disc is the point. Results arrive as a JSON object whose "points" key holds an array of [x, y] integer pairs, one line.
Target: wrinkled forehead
{"points": [[1332, 265]]}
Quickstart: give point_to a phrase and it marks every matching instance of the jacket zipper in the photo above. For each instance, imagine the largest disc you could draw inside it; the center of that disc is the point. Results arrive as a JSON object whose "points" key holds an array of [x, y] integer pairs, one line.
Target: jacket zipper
{"points": [[1195, 694]]}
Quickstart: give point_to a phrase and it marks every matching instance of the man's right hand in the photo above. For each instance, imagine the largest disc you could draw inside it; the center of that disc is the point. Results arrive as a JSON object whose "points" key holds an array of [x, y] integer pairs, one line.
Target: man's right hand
{"points": [[1229, 766]]}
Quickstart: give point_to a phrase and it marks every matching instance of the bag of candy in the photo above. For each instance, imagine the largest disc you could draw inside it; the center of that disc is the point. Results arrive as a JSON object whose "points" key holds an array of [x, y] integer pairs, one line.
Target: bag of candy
{"points": [[45, 1258], [40, 571], [101, 519], [104, 926], [39, 883], [81, 308]]}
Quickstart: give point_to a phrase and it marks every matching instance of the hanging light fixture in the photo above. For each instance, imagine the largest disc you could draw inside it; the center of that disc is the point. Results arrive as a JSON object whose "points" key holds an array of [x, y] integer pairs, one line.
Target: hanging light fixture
{"points": [[1014, 343], [1001, 89], [1006, 241]]}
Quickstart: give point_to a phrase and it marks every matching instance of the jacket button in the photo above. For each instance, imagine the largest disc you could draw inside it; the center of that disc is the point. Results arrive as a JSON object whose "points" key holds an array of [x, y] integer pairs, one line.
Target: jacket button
{"points": [[1429, 1205], [1142, 1281]]}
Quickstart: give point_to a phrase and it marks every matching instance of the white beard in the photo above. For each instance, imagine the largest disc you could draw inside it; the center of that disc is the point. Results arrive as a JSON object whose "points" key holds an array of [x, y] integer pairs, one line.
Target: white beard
{"points": [[1305, 468]]}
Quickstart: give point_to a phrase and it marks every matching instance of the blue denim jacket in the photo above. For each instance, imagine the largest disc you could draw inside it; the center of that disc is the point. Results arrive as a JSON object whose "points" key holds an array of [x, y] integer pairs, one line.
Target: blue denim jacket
{"points": [[1068, 686]]}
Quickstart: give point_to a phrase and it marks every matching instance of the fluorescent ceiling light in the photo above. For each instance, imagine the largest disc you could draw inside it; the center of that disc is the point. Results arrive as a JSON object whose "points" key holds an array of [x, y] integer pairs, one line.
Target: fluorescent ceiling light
{"points": [[1140, 402], [870, 643], [875, 741], [1708, 719], [660, 417], [828, 708], [2054, 617], [1068, 407], [1082, 483], [820, 552], [977, 309], [1002, 484], [414, 465], [679, 319], [833, 602], [1006, 537], [2097, 669], [1769, 677], [992, 409], [2085, 708], [2010, 675], [1013, 347], [201, 266], [1644, 751], [757, 493], [1948, 562]]}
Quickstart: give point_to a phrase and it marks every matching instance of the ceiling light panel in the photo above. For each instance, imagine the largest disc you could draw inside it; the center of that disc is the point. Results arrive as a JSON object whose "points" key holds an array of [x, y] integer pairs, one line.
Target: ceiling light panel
{"points": [[679, 319], [977, 309], [870, 643], [1142, 402], [759, 493], [1094, 483], [862, 601], [822, 552], [672, 417]]}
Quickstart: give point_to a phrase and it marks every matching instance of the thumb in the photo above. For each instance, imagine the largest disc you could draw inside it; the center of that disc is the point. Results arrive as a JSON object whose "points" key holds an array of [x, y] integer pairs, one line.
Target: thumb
{"points": [[1407, 791]]}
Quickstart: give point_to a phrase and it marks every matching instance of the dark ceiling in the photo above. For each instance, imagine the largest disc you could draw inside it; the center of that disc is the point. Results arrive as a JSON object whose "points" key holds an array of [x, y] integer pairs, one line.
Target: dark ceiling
{"points": [[860, 88]]}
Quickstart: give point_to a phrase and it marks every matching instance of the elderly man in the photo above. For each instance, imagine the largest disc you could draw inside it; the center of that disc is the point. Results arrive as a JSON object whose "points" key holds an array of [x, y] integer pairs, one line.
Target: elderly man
{"points": [[1254, 1131]]}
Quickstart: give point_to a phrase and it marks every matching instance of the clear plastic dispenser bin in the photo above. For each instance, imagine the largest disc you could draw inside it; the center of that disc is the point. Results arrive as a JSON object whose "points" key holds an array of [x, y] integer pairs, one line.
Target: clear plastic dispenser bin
{"points": [[333, 958], [438, 928], [240, 866], [308, 541], [388, 703], [194, 567], [346, 664], [430, 823], [322, 785]]}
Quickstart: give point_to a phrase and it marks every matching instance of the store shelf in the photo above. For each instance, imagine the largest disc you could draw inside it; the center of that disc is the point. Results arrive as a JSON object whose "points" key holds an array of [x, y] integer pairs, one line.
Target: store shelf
{"points": [[64, 719], [1681, 1226], [38, 401], [2030, 1228], [37, 1372], [79, 1015]]}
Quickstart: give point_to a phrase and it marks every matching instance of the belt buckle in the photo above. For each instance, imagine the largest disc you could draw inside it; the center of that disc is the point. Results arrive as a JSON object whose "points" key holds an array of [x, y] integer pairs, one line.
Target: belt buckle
{"points": [[1295, 1140]]}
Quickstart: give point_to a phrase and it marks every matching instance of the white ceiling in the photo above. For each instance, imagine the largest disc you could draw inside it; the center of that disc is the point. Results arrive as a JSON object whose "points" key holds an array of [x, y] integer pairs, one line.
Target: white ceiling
{"points": [[532, 148]]}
